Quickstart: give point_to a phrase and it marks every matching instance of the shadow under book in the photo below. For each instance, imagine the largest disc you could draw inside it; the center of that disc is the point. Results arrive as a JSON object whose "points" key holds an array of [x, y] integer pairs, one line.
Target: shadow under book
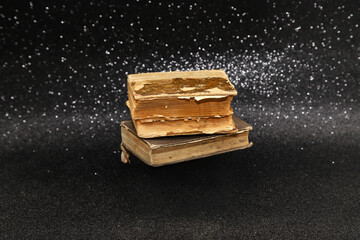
{"points": [[168, 150]]}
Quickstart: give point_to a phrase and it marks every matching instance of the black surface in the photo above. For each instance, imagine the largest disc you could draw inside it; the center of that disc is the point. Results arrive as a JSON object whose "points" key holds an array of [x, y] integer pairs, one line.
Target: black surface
{"points": [[63, 70]]}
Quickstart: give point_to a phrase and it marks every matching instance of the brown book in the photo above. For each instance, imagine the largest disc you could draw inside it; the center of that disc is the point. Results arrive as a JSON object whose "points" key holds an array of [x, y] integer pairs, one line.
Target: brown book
{"points": [[181, 103], [168, 150]]}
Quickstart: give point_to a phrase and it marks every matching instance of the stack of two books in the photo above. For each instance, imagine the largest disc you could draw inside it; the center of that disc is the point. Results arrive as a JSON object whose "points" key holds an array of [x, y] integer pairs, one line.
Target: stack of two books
{"points": [[180, 116]]}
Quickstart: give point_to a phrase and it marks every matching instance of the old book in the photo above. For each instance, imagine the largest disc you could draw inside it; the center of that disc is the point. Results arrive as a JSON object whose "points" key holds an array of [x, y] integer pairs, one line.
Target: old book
{"points": [[169, 150], [181, 103]]}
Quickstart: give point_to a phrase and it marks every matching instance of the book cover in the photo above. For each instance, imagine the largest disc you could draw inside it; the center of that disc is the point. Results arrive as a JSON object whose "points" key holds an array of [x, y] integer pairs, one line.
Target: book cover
{"points": [[168, 150]]}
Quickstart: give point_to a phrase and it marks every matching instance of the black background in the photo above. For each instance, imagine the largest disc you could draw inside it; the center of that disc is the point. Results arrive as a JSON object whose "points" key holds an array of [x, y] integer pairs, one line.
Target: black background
{"points": [[63, 71]]}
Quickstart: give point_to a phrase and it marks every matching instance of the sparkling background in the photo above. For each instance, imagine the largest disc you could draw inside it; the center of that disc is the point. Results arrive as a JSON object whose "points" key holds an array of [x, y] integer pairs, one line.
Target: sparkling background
{"points": [[63, 71]]}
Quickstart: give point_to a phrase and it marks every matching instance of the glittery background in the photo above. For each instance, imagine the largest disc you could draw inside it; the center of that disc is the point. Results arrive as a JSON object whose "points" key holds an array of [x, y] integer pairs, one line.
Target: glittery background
{"points": [[63, 71]]}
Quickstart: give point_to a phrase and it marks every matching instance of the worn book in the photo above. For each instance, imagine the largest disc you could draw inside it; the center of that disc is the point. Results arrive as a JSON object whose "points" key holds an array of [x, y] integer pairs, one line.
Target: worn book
{"points": [[181, 103], [168, 150]]}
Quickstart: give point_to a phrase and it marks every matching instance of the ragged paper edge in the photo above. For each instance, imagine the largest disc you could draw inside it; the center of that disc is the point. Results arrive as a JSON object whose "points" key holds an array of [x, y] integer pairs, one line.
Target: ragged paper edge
{"points": [[221, 94], [199, 98], [161, 118]]}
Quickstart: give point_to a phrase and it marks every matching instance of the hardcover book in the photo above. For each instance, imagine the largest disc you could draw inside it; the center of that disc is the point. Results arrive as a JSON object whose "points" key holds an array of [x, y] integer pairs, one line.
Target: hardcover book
{"points": [[168, 150], [181, 103]]}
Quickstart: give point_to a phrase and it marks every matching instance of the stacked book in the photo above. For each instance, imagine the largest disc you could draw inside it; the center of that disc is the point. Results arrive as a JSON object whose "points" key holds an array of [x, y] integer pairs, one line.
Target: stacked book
{"points": [[179, 116]]}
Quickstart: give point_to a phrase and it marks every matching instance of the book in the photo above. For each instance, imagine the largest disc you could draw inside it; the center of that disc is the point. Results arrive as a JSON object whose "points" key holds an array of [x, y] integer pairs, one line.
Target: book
{"points": [[181, 103], [169, 150]]}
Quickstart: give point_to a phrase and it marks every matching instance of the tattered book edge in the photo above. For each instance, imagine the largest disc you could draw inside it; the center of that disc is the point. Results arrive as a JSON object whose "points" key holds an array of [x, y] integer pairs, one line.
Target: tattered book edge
{"points": [[180, 74], [199, 95], [208, 137]]}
